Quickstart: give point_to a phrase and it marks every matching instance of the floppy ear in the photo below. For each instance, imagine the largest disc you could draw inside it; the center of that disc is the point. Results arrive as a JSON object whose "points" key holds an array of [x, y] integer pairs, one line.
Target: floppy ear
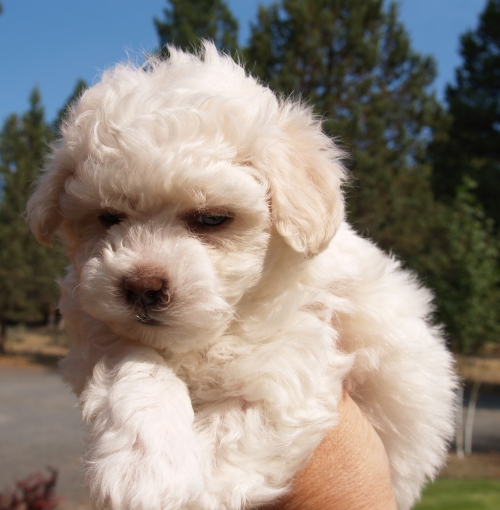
{"points": [[305, 174], [43, 213]]}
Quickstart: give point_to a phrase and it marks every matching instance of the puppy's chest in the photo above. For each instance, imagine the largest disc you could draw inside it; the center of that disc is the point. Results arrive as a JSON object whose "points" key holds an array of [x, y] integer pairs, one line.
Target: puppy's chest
{"points": [[213, 385], [271, 383]]}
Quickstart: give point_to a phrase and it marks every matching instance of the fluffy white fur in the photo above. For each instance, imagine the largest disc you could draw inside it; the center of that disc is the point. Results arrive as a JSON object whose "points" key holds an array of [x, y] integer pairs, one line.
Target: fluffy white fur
{"points": [[223, 397]]}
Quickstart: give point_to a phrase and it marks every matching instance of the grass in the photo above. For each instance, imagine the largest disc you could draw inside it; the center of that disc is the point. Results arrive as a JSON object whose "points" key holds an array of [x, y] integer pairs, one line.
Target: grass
{"points": [[448, 494]]}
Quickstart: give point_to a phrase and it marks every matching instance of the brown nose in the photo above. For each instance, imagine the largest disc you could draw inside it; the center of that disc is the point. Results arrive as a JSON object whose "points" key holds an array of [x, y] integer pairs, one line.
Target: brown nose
{"points": [[143, 285], [145, 291]]}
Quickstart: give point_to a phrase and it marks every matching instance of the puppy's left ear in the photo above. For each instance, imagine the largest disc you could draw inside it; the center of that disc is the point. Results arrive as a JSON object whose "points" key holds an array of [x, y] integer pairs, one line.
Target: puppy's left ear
{"points": [[305, 174], [42, 210]]}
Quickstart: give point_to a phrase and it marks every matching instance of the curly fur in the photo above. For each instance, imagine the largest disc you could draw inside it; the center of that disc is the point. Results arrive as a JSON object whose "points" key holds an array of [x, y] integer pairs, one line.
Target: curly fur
{"points": [[217, 394]]}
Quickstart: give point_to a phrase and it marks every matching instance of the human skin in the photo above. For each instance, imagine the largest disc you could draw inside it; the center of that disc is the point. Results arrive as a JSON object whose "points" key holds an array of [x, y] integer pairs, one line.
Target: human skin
{"points": [[348, 471]]}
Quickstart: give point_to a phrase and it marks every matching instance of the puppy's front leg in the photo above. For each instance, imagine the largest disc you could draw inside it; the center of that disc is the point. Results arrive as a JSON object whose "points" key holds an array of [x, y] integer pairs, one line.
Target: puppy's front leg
{"points": [[143, 453]]}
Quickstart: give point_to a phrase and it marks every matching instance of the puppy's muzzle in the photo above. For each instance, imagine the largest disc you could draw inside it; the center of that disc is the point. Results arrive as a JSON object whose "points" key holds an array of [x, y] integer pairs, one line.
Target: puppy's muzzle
{"points": [[146, 294]]}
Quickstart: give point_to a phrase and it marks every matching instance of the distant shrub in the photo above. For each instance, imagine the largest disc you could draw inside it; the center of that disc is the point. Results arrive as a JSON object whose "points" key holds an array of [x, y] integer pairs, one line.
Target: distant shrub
{"points": [[33, 493]]}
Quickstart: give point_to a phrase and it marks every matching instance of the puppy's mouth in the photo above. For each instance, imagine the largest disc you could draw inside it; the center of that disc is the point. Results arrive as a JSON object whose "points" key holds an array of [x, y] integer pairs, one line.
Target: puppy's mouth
{"points": [[147, 316], [145, 310], [146, 320]]}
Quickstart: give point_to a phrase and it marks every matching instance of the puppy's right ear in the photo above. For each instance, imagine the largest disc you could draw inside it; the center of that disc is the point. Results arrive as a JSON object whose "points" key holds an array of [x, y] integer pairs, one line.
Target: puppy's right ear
{"points": [[305, 174], [43, 210]]}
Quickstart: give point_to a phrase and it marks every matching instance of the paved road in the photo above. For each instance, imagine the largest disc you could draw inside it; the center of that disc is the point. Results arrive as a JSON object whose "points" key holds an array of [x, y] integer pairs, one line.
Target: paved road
{"points": [[486, 436], [40, 426]]}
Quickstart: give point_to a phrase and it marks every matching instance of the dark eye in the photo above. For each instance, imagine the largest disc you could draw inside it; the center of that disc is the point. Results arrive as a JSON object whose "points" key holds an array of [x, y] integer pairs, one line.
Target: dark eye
{"points": [[110, 219], [211, 220]]}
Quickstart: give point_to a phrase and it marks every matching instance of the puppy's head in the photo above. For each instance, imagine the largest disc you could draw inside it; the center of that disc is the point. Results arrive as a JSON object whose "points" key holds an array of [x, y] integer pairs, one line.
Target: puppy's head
{"points": [[169, 183]]}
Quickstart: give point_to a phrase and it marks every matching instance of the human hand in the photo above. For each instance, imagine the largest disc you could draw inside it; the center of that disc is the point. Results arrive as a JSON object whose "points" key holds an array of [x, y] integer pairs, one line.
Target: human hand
{"points": [[348, 471]]}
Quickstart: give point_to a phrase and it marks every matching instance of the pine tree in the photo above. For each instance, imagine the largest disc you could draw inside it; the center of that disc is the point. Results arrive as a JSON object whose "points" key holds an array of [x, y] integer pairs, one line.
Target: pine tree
{"points": [[473, 145], [186, 23], [78, 90], [27, 270], [467, 178], [462, 267]]}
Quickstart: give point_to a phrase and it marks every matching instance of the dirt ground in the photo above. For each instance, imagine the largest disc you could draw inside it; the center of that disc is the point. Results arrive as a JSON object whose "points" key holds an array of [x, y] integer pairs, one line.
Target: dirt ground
{"points": [[26, 347], [477, 466], [485, 369]]}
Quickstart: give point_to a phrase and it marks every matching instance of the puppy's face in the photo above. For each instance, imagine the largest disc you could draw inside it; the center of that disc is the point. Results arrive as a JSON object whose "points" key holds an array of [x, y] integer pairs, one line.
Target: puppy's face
{"points": [[168, 187], [165, 256]]}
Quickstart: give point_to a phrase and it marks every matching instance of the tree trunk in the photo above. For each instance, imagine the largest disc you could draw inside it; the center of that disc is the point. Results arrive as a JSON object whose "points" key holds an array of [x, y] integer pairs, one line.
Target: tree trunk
{"points": [[51, 318], [3, 337], [469, 422], [459, 426]]}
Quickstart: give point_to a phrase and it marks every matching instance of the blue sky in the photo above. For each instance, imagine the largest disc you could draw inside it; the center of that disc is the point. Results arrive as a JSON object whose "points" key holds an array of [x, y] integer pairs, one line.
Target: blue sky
{"points": [[52, 43]]}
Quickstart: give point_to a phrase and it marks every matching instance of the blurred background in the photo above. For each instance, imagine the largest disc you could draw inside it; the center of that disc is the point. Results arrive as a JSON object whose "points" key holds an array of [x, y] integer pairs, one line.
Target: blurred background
{"points": [[411, 89]]}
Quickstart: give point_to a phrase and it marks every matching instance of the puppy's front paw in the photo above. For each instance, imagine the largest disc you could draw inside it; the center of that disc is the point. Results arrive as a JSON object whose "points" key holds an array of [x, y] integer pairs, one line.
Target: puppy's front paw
{"points": [[143, 453], [138, 473]]}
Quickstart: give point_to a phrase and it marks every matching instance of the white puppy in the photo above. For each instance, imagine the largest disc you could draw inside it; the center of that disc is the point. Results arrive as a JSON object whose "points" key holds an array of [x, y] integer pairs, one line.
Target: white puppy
{"points": [[216, 300]]}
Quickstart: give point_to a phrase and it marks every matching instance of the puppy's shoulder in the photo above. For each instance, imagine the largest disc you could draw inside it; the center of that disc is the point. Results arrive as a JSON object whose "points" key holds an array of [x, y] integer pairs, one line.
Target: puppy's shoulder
{"points": [[358, 268]]}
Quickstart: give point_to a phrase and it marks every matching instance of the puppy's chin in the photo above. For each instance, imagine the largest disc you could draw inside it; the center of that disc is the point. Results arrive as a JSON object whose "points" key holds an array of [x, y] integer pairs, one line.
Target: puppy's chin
{"points": [[174, 338]]}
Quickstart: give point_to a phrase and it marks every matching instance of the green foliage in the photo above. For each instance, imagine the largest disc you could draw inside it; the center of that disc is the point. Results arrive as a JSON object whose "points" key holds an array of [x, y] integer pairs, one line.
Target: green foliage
{"points": [[461, 264], [471, 285], [466, 176], [446, 494], [78, 90], [472, 146], [27, 270], [188, 22]]}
